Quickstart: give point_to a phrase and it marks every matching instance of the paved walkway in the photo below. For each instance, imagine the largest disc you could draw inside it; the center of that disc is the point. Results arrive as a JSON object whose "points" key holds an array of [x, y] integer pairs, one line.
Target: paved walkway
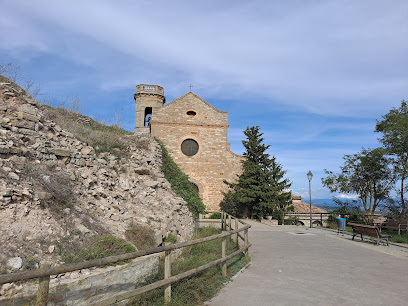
{"points": [[317, 267]]}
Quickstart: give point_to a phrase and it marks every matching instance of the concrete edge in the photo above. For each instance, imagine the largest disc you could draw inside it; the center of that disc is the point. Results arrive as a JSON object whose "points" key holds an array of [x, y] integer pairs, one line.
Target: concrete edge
{"points": [[239, 272], [232, 278]]}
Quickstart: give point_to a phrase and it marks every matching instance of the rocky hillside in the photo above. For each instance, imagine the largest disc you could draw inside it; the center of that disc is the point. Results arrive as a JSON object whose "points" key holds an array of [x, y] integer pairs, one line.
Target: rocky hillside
{"points": [[55, 187]]}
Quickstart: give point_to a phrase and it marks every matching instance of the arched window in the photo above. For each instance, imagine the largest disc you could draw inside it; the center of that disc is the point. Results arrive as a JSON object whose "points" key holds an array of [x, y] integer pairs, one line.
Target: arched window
{"points": [[189, 147]]}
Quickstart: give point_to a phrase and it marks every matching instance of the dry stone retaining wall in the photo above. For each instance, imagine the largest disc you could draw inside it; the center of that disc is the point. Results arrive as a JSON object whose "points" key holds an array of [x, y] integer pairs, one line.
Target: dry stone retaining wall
{"points": [[54, 187]]}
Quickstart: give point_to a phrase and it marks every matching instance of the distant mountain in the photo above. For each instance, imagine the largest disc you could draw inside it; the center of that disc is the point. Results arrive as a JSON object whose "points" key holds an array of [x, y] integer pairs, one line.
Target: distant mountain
{"points": [[323, 203]]}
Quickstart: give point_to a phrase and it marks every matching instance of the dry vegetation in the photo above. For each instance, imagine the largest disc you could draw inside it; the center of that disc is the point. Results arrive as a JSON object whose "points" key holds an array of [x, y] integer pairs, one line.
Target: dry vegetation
{"points": [[141, 236], [101, 137]]}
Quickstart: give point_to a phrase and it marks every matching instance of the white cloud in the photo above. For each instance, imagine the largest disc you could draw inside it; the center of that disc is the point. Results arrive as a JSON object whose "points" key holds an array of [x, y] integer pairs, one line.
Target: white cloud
{"points": [[339, 59], [347, 196], [342, 57]]}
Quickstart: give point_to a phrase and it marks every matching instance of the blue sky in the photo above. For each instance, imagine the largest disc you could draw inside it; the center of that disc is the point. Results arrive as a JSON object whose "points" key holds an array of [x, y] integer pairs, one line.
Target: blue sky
{"points": [[314, 75]]}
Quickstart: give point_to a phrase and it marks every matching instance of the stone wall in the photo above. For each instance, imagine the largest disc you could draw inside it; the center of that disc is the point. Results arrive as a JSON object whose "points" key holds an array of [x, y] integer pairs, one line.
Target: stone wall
{"points": [[86, 286], [55, 187]]}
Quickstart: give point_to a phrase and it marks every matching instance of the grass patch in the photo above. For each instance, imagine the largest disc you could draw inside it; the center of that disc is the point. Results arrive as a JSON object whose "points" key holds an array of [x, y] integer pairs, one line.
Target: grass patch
{"points": [[200, 287], [180, 182], [102, 137], [403, 238], [100, 248], [171, 238]]}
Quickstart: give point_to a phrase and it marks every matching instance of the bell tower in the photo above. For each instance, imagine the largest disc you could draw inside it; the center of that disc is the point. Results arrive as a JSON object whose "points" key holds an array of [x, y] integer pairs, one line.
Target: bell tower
{"points": [[148, 99]]}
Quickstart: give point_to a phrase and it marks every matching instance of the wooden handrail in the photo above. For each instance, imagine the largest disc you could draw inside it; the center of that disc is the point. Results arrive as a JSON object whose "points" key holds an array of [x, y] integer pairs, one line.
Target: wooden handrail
{"points": [[328, 213], [44, 274], [169, 280], [13, 277]]}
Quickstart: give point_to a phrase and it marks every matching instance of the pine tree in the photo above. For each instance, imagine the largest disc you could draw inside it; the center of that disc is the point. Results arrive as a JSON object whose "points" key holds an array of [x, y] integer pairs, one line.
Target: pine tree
{"points": [[261, 188]]}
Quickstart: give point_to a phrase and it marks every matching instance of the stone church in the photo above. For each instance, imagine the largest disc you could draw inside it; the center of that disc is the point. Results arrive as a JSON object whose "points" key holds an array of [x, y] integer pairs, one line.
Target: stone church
{"points": [[195, 134]]}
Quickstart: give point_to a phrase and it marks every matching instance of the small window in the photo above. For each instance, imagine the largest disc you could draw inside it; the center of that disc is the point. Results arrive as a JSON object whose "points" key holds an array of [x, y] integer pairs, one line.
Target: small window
{"points": [[191, 113], [189, 147]]}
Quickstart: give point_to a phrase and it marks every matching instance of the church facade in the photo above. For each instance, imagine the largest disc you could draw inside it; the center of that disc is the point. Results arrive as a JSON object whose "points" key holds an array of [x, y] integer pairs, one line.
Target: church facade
{"points": [[195, 134]]}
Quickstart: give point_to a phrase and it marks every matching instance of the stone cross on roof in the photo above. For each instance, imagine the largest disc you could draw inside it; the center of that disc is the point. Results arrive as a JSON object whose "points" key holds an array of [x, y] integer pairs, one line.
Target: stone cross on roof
{"points": [[190, 87]]}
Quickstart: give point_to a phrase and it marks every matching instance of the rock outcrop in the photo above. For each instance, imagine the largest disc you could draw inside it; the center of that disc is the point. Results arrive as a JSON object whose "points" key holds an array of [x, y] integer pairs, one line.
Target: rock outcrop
{"points": [[54, 186]]}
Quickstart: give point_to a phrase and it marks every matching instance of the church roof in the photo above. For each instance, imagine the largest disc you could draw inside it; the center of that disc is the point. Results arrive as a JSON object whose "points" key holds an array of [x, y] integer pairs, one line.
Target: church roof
{"points": [[197, 97]]}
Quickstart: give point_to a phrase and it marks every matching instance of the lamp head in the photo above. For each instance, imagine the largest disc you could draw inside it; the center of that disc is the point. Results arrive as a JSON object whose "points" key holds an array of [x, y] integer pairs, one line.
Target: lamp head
{"points": [[309, 175]]}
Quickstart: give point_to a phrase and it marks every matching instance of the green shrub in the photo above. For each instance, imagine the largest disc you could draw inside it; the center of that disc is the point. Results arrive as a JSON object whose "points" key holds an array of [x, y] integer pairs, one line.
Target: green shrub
{"points": [[180, 182], [292, 221], [215, 216], [141, 236]]}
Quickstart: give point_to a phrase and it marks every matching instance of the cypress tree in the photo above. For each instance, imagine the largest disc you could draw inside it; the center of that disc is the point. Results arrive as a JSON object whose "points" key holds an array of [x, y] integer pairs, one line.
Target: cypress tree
{"points": [[261, 189]]}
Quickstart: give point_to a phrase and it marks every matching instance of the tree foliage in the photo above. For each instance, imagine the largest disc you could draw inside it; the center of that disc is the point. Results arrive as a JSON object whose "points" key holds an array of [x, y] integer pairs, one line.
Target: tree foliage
{"points": [[367, 174], [261, 188], [394, 127]]}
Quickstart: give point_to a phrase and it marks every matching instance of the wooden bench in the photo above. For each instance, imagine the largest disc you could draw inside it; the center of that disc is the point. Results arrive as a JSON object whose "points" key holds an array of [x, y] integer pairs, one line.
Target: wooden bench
{"points": [[396, 224], [369, 230], [379, 221]]}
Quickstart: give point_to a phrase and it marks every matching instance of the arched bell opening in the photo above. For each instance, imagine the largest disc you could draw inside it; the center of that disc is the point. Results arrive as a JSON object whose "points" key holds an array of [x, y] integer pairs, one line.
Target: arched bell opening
{"points": [[147, 116]]}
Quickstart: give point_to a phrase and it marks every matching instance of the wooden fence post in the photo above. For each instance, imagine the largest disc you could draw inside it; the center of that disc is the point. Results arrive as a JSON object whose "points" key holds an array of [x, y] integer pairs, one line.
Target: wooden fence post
{"points": [[229, 222], [42, 293], [246, 244], [167, 274], [224, 254], [225, 221], [222, 220], [236, 235]]}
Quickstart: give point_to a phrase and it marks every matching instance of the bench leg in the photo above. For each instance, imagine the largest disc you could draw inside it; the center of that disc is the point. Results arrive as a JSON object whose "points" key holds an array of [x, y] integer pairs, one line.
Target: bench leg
{"points": [[378, 241], [362, 237]]}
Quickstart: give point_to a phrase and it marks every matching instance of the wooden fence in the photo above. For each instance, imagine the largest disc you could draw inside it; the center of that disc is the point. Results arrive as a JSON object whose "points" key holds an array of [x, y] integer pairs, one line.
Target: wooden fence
{"points": [[44, 274]]}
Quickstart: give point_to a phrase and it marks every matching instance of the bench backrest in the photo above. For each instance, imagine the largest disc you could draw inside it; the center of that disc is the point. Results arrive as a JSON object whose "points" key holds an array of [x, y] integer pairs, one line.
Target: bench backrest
{"points": [[365, 229]]}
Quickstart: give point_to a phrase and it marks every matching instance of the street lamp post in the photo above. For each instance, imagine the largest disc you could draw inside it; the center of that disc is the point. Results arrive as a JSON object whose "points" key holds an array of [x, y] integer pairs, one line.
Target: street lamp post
{"points": [[309, 177]]}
